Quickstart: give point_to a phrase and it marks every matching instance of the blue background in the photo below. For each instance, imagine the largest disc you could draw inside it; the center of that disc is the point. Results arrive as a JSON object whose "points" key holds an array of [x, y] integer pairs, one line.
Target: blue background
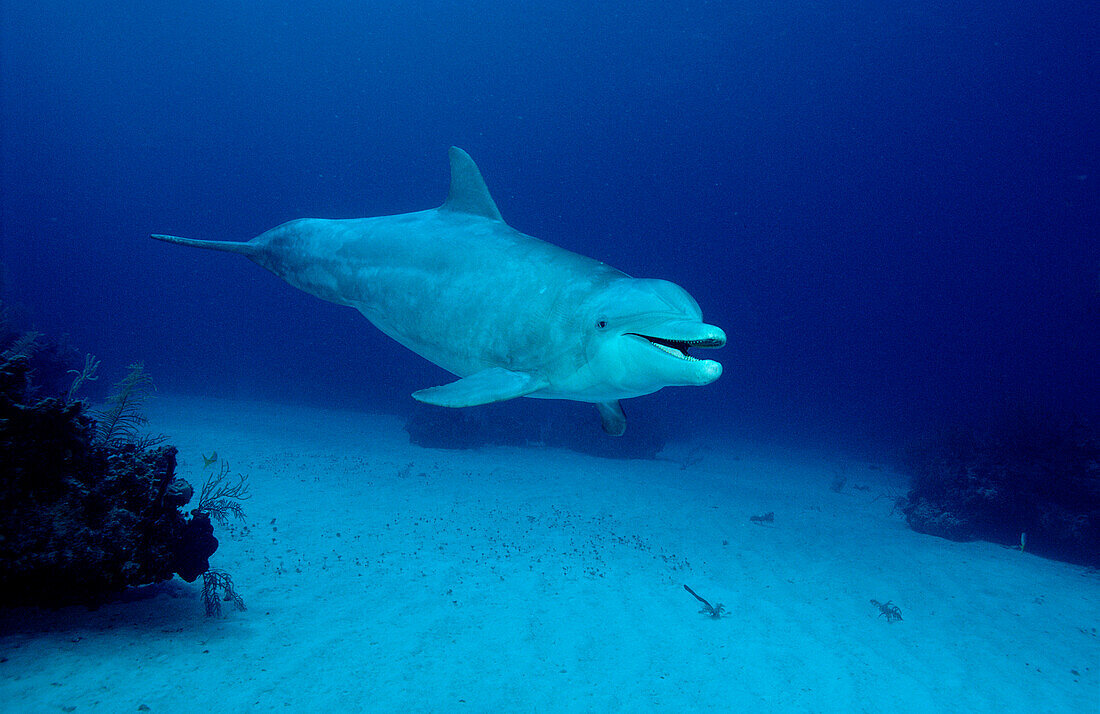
{"points": [[890, 207]]}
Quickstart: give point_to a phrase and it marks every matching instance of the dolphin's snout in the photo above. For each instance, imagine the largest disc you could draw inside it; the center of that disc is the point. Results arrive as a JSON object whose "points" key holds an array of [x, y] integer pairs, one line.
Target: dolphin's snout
{"points": [[715, 337], [710, 371]]}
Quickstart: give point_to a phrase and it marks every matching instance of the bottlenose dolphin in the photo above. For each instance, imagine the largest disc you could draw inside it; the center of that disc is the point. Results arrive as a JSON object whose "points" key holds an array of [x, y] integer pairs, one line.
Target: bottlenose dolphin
{"points": [[509, 314]]}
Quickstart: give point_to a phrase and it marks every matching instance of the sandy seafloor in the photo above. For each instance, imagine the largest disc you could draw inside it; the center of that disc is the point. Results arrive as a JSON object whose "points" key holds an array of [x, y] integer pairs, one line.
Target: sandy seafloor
{"points": [[382, 576]]}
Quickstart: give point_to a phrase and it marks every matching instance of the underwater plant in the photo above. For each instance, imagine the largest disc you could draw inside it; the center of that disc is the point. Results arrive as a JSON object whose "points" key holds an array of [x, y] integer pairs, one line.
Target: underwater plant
{"points": [[219, 497], [888, 610], [85, 374], [217, 586], [25, 345], [123, 417], [49, 361], [714, 611]]}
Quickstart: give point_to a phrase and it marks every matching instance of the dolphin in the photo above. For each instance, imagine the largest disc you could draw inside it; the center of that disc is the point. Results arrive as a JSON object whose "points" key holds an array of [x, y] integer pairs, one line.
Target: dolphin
{"points": [[509, 314]]}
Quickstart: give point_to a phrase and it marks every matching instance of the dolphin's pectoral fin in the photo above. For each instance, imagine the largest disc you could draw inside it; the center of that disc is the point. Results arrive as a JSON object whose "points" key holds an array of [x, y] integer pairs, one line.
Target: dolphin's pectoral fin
{"points": [[495, 384], [614, 420]]}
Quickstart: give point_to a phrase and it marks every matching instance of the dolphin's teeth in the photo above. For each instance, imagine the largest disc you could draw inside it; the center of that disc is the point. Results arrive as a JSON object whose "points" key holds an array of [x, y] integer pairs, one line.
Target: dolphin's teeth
{"points": [[674, 352], [679, 348]]}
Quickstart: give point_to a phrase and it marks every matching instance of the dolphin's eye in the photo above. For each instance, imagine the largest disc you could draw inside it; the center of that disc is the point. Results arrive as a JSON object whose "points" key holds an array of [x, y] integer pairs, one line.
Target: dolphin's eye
{"points": [[601, 324]]}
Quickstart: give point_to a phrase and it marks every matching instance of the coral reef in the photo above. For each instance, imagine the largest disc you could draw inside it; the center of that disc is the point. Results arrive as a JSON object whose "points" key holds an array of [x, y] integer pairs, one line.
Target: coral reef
{"points": [[83, 517], [50, 363], [1033, 474]]}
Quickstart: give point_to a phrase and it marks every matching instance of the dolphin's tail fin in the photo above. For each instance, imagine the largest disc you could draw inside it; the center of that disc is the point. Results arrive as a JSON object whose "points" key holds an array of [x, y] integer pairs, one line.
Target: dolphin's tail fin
{"points": [[248, 249]]}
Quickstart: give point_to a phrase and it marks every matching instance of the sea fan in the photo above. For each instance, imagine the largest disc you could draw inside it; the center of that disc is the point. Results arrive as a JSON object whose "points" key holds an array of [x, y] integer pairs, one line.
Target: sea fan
{"points": [[217, 586], [123, 416], [85, 374], [26, 345], [220, 497]]}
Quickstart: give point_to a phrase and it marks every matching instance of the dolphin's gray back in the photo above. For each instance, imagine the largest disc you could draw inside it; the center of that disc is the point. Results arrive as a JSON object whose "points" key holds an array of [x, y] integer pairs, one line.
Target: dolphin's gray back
{"points": [[464, 291]]}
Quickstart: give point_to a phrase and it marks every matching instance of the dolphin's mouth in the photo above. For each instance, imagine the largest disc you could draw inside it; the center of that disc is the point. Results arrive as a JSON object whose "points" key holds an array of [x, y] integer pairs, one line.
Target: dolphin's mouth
{"points": [[679, 348]]}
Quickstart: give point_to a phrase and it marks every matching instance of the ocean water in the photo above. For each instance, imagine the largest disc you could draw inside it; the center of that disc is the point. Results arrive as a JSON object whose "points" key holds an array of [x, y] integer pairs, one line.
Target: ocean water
{"points": [[890, 208]]}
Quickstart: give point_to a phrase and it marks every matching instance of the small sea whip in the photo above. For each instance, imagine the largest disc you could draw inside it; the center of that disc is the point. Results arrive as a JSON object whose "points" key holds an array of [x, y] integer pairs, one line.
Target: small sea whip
{"points": [[714, 611]]}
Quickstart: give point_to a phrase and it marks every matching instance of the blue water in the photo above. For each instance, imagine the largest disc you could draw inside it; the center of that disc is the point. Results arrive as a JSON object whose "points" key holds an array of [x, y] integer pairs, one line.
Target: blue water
{"points": [[891, 208]]}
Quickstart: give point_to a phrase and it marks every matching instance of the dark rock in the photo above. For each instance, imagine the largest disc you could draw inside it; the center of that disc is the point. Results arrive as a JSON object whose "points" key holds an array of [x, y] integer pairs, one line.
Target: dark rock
{"points": [[191, 557], [925, 517], [1033, 474], [179, 492]]}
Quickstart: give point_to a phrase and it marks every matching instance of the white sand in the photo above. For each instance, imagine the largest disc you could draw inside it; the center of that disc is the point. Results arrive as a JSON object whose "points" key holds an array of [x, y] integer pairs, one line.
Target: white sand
{"points": [[380, 576]]}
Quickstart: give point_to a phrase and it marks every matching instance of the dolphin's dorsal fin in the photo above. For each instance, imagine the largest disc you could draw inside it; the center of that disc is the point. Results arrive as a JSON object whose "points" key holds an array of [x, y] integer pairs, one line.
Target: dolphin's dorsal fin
{"points": [[468, 193]]}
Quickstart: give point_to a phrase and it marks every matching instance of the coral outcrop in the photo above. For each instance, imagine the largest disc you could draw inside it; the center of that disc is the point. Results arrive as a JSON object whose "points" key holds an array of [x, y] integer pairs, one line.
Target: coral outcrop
{"points": [[82, 518], [1035, 474]]}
